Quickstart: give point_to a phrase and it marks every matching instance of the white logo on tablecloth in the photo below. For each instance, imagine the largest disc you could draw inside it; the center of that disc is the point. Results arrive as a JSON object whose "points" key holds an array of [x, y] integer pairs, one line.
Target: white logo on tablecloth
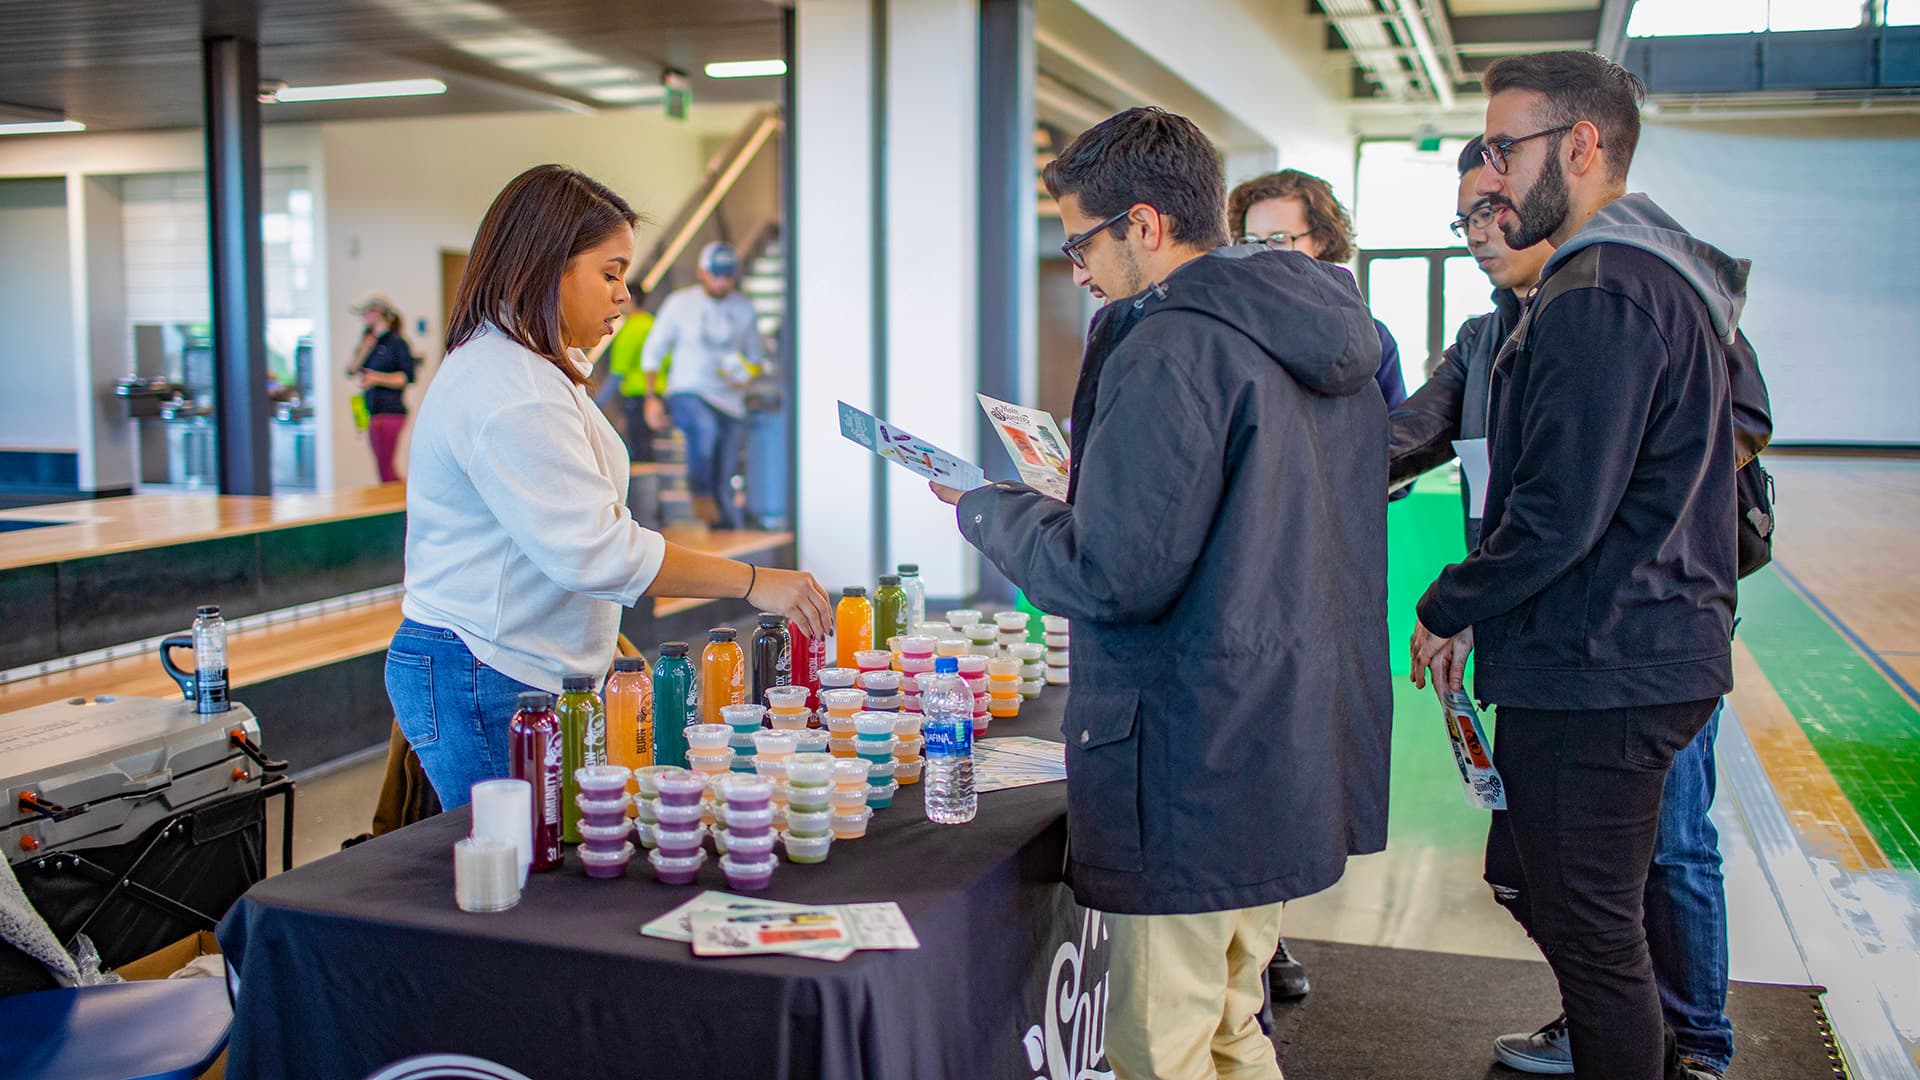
{"points": [[446, 1067], [1071, 1039]]}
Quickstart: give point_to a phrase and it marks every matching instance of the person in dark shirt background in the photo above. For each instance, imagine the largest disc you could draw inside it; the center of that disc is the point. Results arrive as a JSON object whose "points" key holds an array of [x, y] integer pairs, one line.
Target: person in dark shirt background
{"points": [[383, 365]]}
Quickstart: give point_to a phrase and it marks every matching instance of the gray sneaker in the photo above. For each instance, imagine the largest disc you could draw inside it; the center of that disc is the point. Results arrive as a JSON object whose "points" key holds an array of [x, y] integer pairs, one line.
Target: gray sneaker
{"points": [[1545, 1052]]}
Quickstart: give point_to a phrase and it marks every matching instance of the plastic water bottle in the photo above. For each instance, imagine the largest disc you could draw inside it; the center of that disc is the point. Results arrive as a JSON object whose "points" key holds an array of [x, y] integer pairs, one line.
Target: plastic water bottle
{"points": [[210, 661], [916, 591], [948, 705]]}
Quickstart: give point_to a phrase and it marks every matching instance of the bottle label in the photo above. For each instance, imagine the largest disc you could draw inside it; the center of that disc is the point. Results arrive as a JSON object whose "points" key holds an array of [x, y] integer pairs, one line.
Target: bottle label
{"points": [[783, 666], [550, 767], [210, 690], [596, 749], [948, 738]]}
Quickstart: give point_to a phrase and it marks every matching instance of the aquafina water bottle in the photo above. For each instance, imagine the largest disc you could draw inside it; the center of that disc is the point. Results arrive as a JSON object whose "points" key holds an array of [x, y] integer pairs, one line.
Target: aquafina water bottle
{"points": [[948, 706]]}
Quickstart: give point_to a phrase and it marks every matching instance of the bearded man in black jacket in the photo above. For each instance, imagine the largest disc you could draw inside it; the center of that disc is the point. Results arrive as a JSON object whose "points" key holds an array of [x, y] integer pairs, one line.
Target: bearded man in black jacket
{"points": [[1601, 596]]}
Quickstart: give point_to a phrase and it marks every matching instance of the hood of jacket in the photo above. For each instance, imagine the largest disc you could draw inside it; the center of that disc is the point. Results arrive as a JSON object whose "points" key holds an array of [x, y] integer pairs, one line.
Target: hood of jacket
{"points": [[1305, 315], [1635, 220]]}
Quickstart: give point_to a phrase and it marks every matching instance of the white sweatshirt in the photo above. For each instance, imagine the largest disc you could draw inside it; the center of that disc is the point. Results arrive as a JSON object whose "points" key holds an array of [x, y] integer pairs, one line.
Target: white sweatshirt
{"points": [[518, 535]]}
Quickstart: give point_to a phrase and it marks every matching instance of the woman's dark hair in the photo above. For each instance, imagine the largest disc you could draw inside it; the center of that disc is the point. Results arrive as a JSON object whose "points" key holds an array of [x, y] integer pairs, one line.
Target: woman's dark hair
{"points": [[542, 218], [1327, 221], [1578, 86], [1145, 155]]}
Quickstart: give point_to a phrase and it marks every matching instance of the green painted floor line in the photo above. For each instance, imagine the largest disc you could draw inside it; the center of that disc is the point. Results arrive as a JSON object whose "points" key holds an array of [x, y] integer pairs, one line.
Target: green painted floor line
{"points": [[1865, 730]]}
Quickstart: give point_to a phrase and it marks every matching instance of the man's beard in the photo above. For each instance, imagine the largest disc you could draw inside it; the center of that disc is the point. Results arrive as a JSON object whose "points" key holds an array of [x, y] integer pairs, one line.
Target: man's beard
{"points": [[1542, 212], [1130, 277]]}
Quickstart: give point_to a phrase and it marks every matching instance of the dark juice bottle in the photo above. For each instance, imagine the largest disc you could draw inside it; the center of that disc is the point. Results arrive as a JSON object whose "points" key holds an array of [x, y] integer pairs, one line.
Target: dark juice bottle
{"points": [[675, 701], [889, 611], [536, 755], [772, 657], [583, 733], [809, 657], [723, 673]]}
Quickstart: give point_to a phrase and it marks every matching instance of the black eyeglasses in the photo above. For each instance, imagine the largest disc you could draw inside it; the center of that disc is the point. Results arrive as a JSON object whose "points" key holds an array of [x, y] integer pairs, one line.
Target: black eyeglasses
{"points": [[1071, 249], [1280, 241], [1479, 217], [1495, 153]]}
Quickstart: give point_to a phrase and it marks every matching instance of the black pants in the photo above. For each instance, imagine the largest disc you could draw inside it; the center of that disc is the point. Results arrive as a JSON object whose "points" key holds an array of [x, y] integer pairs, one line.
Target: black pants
{"points": [[639, 435], [1569, 858]]}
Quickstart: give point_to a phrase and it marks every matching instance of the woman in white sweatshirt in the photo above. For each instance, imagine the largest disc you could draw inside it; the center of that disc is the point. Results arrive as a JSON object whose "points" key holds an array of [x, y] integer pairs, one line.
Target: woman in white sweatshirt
{"points": [[520, 549]]}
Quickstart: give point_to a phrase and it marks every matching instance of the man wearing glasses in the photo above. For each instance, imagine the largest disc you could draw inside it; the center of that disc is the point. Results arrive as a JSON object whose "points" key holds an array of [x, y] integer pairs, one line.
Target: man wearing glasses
{"points": [[1601, 595], [1222, 552], [1686, 903]]}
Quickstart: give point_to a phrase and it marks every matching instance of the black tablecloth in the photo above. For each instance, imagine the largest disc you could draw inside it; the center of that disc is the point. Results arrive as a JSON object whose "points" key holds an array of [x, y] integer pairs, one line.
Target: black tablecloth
{"points": [[361, 959]]}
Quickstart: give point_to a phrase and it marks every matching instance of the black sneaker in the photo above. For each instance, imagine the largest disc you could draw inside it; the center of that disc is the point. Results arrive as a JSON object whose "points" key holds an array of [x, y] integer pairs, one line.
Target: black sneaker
{"points": [[1698, 1071], [1546, 1052], [1286, 977]]}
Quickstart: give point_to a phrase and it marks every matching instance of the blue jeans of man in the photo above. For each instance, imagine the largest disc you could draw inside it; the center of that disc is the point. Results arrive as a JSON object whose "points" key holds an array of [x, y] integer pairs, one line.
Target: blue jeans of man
{"points": [[1686, 908], [453, 709], [714, 443]]}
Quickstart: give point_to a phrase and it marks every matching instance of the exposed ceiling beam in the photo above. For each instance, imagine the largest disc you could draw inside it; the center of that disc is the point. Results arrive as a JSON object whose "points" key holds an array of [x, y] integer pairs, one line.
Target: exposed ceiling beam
{"points": [[1610, 39], [1545, 26]]}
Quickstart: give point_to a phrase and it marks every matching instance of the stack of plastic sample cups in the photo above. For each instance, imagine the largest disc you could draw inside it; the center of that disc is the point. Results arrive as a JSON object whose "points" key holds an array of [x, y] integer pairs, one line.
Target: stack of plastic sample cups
{"points": [[981, 640], [839, 705], [486, 874], [707, 749], [837, 678], [746, 721], [1003, 688], [787, 708], [908, 744], [677, 854], [772, 749], [1056, 641], [848, 799], [874, 742], [954, 644], [1011, 627], [866, 660], [974, 670], [1033, 672], [603, 800], [647, 802], [959, 619], [883, 691], [916, 657], [809, 830], [748, 837]]}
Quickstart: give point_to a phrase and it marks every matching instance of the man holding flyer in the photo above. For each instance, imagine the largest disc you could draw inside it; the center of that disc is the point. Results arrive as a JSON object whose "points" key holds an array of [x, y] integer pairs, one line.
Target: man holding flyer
{"points": [[1222, 552]]}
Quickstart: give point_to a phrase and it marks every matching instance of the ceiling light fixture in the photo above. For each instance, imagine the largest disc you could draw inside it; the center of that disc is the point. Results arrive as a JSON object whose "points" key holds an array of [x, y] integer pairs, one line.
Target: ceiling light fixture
{"points": [[42, 127], [746, 69], [354, 91]]}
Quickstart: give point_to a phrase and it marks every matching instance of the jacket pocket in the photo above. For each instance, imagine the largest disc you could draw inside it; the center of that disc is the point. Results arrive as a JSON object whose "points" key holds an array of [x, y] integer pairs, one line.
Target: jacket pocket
{"points": [[1103, 779]]}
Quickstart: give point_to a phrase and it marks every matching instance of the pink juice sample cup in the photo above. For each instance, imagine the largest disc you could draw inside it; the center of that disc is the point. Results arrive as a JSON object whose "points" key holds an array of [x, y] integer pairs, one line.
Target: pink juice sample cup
{"points": [[750, 875], [679, 787], [918, 646], [676, 869], [873, 659], [602, 781], [683, 840], [745, 792], [600, 864], [745, 845]]}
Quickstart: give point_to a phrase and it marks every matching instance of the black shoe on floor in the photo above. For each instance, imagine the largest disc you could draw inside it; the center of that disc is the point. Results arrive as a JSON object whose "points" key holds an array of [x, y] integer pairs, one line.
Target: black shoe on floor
{"points": [[355, 841], [1697, 1071], [1286, 977]]}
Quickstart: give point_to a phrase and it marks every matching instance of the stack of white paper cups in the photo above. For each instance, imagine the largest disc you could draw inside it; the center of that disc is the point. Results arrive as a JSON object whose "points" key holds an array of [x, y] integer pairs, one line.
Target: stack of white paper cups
{"points": [[486, 875]]}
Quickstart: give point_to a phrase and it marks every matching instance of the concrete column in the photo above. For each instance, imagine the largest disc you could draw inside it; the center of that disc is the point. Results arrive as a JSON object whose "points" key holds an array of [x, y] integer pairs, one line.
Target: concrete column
{"points": [[102, 343]]}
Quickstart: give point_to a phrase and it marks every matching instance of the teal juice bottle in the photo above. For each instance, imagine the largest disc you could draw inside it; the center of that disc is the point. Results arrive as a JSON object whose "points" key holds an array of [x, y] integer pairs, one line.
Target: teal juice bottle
{"points": [[583, 738], [676, 700]]}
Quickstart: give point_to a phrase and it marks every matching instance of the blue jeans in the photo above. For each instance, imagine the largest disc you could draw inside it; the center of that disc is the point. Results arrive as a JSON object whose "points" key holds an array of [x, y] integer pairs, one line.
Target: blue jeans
{"points": [[714, 443], [1686, 908], [453, 709]]}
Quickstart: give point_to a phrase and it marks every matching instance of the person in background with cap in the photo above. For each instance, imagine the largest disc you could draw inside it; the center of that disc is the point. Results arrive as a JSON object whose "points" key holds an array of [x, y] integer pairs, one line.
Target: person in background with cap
{"points": [[711, 332], [382, 367]]}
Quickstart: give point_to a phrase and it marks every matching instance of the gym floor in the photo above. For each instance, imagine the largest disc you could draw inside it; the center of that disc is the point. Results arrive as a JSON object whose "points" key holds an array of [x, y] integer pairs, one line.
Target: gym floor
{"points": [[1819, 759]]}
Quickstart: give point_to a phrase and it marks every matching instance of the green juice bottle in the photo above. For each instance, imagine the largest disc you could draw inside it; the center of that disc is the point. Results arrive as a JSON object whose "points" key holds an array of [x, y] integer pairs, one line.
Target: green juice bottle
{"points": [[583, 740], [676, 699], [889, 611]]}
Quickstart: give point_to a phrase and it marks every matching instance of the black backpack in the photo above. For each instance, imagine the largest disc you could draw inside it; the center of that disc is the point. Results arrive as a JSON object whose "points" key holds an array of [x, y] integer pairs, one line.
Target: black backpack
{"points": [[1753, 494]]}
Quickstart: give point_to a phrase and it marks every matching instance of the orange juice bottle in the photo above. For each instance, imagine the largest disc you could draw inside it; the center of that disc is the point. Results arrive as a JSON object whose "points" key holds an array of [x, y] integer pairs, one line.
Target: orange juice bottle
{"points": [[723, 674], [629, 696], [852, 626]]}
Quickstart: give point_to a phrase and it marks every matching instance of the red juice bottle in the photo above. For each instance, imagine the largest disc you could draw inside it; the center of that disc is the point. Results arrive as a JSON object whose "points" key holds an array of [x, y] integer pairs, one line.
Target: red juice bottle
{"points": [[536, 755], [809, 657]]}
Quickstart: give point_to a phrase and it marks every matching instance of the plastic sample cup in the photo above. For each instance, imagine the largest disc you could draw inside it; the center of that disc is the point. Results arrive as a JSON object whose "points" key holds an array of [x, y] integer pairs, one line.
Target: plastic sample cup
{"points": [[1056, 641], [1053, 624], [679, 787], [788, 697], [773, 768], [773, 744], [1058, 676], [961, 618], [846, 800], [908, 747], [601, 864], [880, 749], [840, 727], [486, 874], [745, 792], [907, 772], [843, 701], [711, 761], [708, 736], [603, 811], [748, 875], [810, 742], [849, 772], [1003, 668], [881, 796], [809, 822], [742, 717], [806, 849], [606, 834], [1027, 653], [953, 646], [809, 769], [677, 815], [676, 869], [789, 719], [743, 845], [880, 682], [871, 725], [802, 799], [971, 667], [837, 678], [678, 841], [744, 821], [918, 645], [1004, 708], [1030, 688], [872, 659], [841, 747], [646, 776], [603, 781], [645, 831], [852, 826]]}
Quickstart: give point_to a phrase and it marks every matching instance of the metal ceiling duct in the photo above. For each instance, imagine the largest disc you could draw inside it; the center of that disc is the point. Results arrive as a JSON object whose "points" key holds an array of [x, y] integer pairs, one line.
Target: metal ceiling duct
{"points": [[1423, 40]]}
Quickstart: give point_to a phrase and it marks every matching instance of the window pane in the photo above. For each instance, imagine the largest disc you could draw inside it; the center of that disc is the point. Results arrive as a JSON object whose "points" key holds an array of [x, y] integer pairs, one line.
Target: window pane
{"points": [[1671, 18], [1397, 293], [1903, 12], [1466, 293], [1406, 196], [1816, 14]]}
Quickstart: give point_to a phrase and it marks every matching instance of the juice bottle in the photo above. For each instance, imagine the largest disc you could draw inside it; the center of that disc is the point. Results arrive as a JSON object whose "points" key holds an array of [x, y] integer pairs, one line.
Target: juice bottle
{"points": [[630, 715], [535, 754], [889, 610], [916, 591], [723, 674], [583, 736], [809, 656], [676, 697], [852, 626], [772, 657]]}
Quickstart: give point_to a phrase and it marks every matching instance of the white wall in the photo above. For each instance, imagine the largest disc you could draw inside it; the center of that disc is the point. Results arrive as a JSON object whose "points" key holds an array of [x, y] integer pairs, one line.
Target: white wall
{"points": [[36, 329], [1829, 212]]}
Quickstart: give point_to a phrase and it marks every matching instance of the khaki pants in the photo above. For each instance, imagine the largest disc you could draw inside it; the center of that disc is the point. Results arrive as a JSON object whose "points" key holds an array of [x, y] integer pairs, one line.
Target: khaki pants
{"points": [[1186, 993]]}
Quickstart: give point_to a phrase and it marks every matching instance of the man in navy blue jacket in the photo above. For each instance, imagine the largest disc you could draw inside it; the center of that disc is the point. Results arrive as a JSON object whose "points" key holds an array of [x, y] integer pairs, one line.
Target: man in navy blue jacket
{"points": [[1601, 596]]}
